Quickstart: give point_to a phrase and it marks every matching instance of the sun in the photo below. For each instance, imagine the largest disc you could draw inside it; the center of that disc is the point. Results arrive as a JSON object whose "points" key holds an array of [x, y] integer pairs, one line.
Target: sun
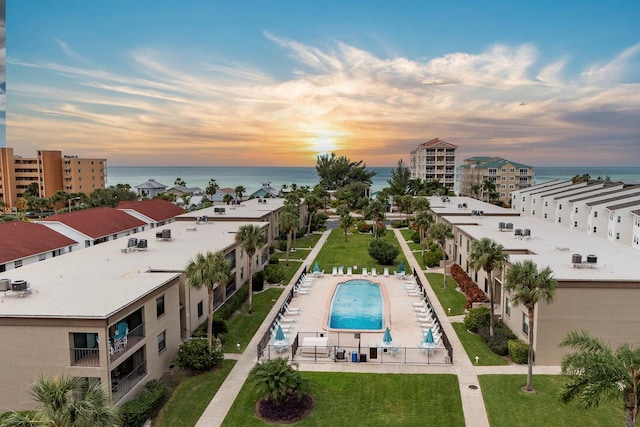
{"points": [[324, 141]]}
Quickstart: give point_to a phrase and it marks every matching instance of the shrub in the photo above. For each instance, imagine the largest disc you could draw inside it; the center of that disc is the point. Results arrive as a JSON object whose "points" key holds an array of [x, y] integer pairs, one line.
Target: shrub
{"points": [[433, 257], [319, 221], [283, 245], [274, 273], [400, 224], [272, 249], [381, 229], [194, 354], [415, 237], [273, 259], [477, 318], [468, 286], [137, 411], [218, 327], [499, 342], [383, 251], [257, 281], [519, 351], [363, 227]]}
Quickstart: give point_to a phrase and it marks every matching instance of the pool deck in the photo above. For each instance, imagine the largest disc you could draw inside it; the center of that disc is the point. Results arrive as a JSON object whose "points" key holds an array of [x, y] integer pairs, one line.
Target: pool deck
{"points": [[405, 331]]}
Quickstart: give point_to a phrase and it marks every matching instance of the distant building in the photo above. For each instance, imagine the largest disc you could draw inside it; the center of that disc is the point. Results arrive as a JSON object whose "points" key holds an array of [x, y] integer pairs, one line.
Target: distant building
{"points": [[52, 171], [507, 176], [155, 212], [150, 189], [433, 160], [265, 191]]}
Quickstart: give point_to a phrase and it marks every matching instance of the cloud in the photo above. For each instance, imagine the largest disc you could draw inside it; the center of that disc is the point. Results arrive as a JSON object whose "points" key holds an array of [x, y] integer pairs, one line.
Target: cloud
{"points": [[202, 111]]}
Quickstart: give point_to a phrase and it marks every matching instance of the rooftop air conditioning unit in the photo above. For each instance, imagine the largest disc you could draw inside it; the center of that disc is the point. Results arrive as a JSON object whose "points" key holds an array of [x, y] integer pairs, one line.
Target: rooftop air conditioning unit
{"points": [[166, 234], [576, 259], [133, 242], [19, 285], [592, 259], [5, 284], [142, 244]]}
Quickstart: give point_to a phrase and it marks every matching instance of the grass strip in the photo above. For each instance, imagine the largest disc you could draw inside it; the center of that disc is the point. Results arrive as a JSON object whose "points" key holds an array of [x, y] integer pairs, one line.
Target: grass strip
{"points": [[449, 297], [474, 346]]}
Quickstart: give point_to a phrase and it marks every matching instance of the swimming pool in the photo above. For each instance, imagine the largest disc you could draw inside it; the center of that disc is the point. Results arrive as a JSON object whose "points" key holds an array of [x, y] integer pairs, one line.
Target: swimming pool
{"points": [[357, 305]]}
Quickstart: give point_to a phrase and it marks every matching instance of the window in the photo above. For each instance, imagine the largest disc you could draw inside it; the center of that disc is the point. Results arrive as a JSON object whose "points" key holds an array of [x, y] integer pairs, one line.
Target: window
{"points": [[617, 236], [560, 207], [545, 216], [576, 210], [507, 307], [525, 324], [559, 220], [162, 341], [595, 214], [512, 170], [503, 186], [200, 309], [241, 272], [512, 178], [532, 212], [546, 203], [504, 170], [595, 229], [619, 218], [17, 264], [42, 257], [575, 224], [160, 306], [503, 178]]}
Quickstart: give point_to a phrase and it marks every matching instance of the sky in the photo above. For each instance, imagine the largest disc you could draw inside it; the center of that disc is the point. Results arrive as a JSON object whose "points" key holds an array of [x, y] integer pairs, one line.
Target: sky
{"points": [[277, 83]]}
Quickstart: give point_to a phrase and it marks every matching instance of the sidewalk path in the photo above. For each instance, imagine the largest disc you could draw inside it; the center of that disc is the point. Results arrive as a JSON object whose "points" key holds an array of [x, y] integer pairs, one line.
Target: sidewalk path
{"points": [[217, 409], [475, 413]]}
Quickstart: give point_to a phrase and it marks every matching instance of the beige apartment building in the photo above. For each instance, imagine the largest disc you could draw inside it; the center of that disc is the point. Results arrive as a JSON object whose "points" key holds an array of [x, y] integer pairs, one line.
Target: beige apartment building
{"points": [[53, 172], [434, 159], [598, 285], [507, 176]]}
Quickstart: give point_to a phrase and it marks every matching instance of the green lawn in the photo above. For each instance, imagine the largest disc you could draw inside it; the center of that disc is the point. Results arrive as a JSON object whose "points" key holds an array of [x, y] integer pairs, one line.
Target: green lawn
{"points": [[508, 406], [191, 397], [337, 252], [474, 346], [243, 326], [449, 297], [354, 399]]}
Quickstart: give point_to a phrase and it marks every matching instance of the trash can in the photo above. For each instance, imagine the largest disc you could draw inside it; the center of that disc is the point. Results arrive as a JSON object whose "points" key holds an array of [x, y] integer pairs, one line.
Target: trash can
{"points": [[363, 357], [354, 356], [340, 354]]}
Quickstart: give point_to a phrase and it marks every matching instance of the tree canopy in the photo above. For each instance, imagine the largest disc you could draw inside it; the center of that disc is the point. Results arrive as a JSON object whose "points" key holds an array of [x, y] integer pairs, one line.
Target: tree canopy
{"points": [[338, 171]]}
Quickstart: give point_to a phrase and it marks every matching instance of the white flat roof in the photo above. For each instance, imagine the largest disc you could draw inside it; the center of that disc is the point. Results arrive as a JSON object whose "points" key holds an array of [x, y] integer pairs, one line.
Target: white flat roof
{"points": [[451, 207], [247, 209], [98, 281], [552, 245]]}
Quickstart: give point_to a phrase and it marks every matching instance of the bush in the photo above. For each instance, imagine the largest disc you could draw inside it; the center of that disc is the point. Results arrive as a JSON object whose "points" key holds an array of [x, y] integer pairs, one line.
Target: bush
{"points": [[273, 259], [283, 244], [274, 273], [400, 224], [477, 318], [499, 343], [258, 281], [137, 411], [218, 327], [272, 249], [383, 251], [363, 227], [433, 257], [468, 286], [319, 221], [519, 351], [194, 354], [415, 237]]}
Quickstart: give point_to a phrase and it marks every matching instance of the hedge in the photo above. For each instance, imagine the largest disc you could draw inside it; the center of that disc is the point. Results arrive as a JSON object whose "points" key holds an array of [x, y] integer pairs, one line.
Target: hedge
{"points": [[519, 351], [137, 411]]}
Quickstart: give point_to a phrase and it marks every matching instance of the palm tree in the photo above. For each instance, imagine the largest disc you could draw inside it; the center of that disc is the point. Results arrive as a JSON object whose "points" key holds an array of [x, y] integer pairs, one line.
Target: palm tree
{"points": [[527, 286], [489, 187], [227, 198], [313, 203], [488, 255], [179, 181], [440, 232], [288, 222], [68, 401], [209, 270], [595, 372], [475, 189], [251, 238], [212, 188], [278, 382], [240, 190], [422, 223], [419, 204]]}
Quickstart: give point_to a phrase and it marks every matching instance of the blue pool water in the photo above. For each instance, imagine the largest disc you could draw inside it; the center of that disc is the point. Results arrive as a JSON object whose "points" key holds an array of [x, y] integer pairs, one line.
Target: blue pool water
{"points": [[357, 305]]}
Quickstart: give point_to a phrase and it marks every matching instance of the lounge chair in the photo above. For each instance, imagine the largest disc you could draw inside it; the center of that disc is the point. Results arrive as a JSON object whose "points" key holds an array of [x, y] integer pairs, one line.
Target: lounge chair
{"points": [[349, 272], [300, 291], [364, 271], [374, 273], [341, 271], [334, 271], [284, 319], [291, 309], [385, 272]]}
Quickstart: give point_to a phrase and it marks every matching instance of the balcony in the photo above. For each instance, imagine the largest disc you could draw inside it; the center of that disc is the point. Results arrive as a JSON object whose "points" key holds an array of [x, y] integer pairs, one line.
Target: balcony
{"points": [[127, 375], [85, 356], [120, 347]]}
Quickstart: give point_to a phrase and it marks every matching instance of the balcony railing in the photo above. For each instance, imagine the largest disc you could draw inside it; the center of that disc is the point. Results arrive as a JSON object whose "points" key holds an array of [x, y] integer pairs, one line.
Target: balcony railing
{"points": [[122, 385], [85, 357]]}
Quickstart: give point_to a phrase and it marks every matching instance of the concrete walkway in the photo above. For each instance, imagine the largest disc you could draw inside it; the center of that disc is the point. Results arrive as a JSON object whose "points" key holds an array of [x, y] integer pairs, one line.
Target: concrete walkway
{"points": [[217, 409], [475, 414]]}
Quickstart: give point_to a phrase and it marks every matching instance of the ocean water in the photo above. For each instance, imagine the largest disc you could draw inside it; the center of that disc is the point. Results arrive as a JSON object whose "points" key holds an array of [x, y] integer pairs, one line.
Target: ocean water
{"points": [[252, 177]]}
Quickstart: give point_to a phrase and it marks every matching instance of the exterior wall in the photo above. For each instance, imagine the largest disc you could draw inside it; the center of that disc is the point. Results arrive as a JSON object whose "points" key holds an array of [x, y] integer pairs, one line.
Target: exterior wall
{"points": [[83, 175], [620, 226], [507, 178], [8, 190], [429, 163], [34, 258], [50, 165], [635, 242]]}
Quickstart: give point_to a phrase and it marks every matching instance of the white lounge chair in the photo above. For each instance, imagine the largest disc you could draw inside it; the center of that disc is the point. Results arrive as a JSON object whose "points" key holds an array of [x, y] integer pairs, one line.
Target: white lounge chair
{"points": [[374, 273], [385, 272], [291, 309], [349, 272], [284, 319], [334, 271], [364, 271], [301, 291], [341, 271]]}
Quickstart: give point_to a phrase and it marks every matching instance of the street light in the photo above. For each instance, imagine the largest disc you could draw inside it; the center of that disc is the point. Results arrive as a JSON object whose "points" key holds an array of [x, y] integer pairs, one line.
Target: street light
{"points": [[73, 198]]}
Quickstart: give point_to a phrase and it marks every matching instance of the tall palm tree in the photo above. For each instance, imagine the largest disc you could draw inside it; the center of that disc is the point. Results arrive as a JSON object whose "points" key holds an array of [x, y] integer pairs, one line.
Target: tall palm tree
{"points": [[488, 255], [440, 232], [597, 373], [527, 286], [287, 223], [251, 238], [208, 270], [313, 203], [212, 188], [422, 223], [419, 204], [489, 187], [475, 189], [68, 401]]}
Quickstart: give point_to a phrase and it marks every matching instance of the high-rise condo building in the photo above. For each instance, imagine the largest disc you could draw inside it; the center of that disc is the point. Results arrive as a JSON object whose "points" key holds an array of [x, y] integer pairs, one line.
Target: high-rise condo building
{"points": [[433, 160]]}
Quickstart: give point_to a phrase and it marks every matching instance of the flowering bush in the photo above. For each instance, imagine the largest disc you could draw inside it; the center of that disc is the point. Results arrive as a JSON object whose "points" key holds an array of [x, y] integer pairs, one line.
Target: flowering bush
{"points": [[468, 286]]}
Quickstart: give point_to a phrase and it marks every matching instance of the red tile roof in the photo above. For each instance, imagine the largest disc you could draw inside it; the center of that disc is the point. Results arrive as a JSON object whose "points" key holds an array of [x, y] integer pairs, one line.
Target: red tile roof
{"points": [[156, 209], [97, 222], [21, 239], [436, 142]]}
